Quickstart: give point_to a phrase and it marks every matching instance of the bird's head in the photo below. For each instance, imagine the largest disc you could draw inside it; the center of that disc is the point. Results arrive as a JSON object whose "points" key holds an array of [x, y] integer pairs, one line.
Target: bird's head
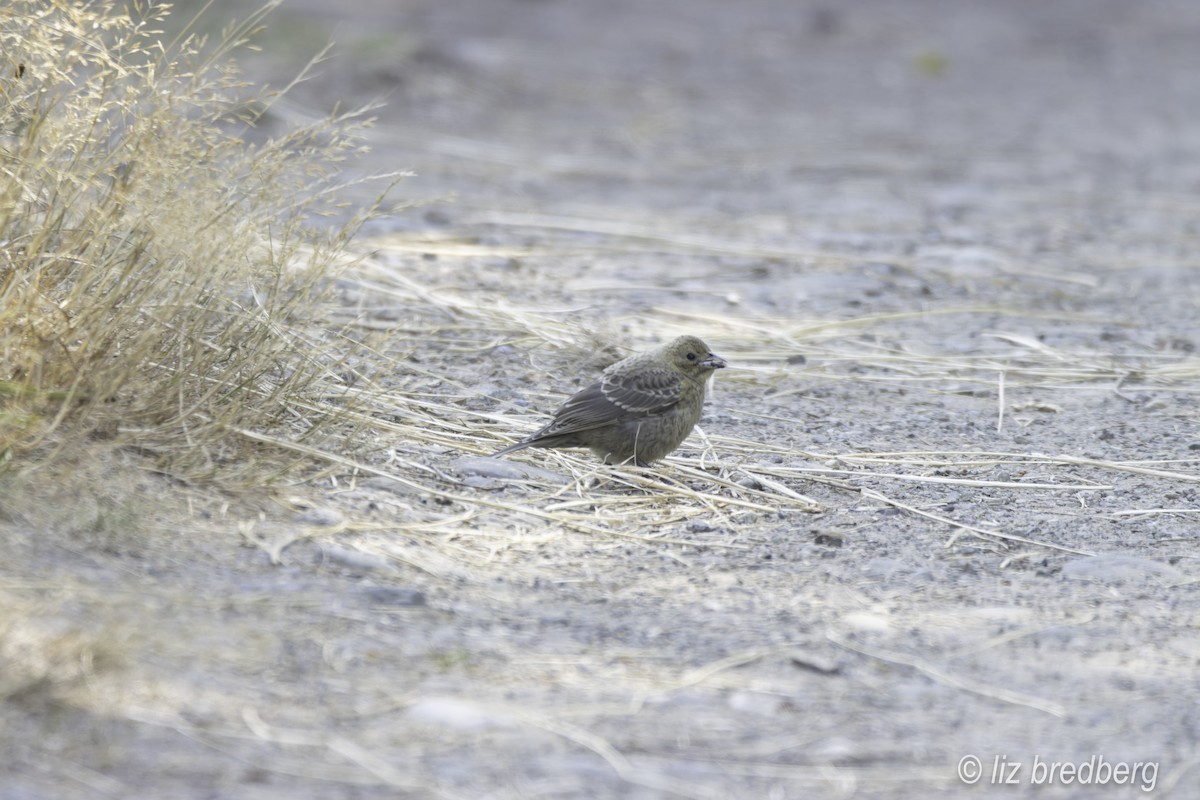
{"points": [[692, 357]]}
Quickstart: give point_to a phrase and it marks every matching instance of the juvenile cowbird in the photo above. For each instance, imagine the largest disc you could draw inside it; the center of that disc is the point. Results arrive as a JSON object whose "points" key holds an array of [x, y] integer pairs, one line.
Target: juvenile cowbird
{"points": [[641, 408]]}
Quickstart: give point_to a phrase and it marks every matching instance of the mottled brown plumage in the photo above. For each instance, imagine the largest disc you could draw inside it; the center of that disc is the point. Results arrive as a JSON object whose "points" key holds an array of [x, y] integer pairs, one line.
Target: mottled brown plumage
{"points": [[641, 408]]}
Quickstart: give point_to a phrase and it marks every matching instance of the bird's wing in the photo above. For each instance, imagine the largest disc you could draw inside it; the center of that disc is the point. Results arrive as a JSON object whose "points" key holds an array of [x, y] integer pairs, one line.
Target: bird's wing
{"points": [[615, 397], [647, 391]]}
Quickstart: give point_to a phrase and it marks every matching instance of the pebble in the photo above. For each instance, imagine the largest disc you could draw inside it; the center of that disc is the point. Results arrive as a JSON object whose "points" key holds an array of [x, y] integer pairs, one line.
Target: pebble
{"points": [[1118, 569], [393, 596], [325, 517], [506, 470], [767, 705], [355, 559], [451, 712]]}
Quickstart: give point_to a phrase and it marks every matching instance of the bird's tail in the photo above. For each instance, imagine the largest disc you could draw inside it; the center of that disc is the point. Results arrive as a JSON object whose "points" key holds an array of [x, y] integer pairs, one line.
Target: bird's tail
{"points": [[512, 448]]}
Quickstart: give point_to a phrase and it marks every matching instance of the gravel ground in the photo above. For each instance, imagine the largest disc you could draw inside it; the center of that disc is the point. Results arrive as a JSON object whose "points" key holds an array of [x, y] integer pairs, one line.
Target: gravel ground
{"points": [[949, 250]]}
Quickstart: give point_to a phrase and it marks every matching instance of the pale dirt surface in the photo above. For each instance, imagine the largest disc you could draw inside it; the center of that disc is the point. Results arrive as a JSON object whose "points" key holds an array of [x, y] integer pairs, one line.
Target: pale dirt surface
{"points": [[884, 213]]}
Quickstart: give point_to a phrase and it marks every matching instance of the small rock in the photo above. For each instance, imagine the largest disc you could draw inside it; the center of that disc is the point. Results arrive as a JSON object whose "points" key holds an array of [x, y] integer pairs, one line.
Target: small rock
{"points": [[389, 485], [325, 517], [768, 705], [833, 750], [1118, 569], [393, 596], [480, 482], [883, 568], [818, 664], [355, 559], [828, 538], [867, 622], [507, 470], [451, 712]]}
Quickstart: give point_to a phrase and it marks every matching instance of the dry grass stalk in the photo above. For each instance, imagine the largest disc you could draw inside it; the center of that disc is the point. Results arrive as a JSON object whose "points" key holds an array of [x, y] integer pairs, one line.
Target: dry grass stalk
{"points": [[157, 275]]}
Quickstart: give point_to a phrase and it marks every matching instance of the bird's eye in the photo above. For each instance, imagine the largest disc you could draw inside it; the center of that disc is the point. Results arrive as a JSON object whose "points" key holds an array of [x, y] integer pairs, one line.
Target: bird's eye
{"points": [[691, 356]]}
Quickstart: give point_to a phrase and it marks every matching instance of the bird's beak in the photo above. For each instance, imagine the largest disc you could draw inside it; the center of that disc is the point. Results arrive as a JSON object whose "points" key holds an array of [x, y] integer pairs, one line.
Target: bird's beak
{"points": [[712, 362]]}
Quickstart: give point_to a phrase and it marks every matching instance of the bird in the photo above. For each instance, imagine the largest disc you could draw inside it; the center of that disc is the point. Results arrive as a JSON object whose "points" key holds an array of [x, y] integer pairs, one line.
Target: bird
{"points": [[641, 409]]}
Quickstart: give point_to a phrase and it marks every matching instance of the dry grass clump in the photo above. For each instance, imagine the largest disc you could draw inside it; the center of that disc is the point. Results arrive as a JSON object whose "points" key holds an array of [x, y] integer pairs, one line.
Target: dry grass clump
{"points": [[157, 275]]}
